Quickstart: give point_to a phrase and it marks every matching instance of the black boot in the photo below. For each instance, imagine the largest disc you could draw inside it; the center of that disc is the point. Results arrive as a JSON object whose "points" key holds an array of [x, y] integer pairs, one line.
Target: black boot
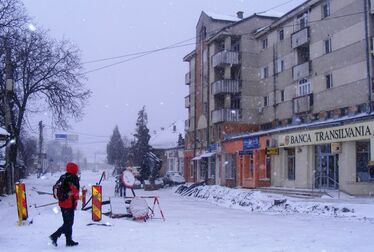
{"points": [[53, 238], [71, 243]]}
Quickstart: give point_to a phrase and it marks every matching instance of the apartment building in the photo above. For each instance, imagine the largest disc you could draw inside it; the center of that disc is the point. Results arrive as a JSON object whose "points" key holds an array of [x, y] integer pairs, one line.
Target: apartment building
{"points": [[218, 91], [305, 91]]}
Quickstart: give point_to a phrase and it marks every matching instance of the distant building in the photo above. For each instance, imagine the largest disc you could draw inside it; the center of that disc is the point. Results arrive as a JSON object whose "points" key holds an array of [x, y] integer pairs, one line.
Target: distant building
{"points": [[165, 145]]}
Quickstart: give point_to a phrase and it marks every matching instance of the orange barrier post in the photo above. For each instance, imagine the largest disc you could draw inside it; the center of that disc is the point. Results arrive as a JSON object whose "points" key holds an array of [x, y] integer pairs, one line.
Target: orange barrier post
{"points": [[96, 202], [21, 202]]}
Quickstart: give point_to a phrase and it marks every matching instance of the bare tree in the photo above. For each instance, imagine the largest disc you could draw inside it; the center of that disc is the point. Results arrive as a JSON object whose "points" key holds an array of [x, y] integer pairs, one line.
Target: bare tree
{"points": [[12, 14], [47, 76]]}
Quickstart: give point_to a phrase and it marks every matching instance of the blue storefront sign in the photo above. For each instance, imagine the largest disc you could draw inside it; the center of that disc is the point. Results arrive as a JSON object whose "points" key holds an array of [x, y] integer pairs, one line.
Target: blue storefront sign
{"points": [[212, 147], [250, 143]]}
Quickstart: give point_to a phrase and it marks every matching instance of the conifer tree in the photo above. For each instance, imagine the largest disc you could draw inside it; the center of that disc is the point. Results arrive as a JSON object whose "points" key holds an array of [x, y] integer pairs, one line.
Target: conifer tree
{"points": [[115, 149]]}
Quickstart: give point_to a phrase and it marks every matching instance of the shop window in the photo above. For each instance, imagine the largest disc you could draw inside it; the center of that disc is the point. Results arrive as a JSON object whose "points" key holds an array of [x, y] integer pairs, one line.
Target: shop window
{"points": [[291, 164], [212, 166], [230, 165], [268, 166], [364, 174]]}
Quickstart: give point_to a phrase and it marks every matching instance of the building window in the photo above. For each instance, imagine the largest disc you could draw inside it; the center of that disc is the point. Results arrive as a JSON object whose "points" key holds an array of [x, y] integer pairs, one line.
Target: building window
{"points": [[328, 79], [265, 43], [362, 159], [328, 47], [302, 20], [281, 35], [212, 167], [282, 95], [325, 9], [291, 164], [264, 72], [266, 101], [280, 65]]}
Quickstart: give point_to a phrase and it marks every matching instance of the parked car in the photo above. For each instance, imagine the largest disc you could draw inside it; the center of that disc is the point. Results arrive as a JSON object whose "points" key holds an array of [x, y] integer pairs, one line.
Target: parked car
{"points": [[173, 178]]}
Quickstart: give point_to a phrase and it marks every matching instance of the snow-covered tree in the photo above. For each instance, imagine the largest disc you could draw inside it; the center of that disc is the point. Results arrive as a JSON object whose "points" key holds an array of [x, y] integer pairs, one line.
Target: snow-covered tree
{"points": [[141, 145]]}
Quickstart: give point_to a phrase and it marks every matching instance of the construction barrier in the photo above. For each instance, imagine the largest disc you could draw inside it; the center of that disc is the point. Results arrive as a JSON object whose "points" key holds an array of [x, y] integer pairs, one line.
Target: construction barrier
{"points": [[96, 202], [21, 202]]}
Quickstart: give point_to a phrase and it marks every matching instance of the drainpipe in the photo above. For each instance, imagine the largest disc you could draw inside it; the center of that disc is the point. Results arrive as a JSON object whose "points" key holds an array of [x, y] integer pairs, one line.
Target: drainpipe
{"points": [[368, 56]]}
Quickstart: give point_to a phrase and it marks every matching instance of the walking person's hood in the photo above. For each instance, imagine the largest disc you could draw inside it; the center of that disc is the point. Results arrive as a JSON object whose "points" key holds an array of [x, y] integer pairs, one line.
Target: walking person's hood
{"points": [[72, 168]]}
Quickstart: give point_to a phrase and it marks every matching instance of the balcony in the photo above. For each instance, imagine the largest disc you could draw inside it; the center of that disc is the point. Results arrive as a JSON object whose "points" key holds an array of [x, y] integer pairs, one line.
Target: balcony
{"points": [[303, 89], [225, 57], [225, 87], [187, 78], [225, 115], [187, 101], [300, 38], [301, 71], [303, 104]]}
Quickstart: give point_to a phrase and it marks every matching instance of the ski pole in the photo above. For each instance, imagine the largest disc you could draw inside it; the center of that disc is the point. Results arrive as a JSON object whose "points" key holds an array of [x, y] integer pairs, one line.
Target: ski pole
{"points": [[49, 204]]}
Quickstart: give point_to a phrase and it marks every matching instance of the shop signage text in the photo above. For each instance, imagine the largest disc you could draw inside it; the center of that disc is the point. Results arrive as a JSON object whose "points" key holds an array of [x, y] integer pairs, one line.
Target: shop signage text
{"points": [[351, 132], [250, 143]]}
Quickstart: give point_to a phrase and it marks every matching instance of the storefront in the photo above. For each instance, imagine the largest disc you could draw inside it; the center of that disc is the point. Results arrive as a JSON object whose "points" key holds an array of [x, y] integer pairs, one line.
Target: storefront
{"points": [[329, 157]]}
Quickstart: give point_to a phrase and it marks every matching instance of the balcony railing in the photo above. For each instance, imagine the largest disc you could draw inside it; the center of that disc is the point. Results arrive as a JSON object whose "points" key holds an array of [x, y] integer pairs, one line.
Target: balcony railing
{"points": [[304, 89], [188, 78], [303, 104], [301, 71], [225, 87], [225, 57], [187, 101], [300, 38], [225, 115]]}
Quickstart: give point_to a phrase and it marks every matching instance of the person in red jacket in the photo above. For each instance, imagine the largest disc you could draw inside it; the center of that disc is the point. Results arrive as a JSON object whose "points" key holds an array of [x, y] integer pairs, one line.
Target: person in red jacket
{"points": [[68, 206]]}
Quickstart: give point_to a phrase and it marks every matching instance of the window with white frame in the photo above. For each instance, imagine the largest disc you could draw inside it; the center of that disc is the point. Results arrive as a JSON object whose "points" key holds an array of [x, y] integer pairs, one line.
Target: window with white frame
{"points": [[212, 167], [280, 65], [302, 20], [325, 8], [230, 165], [327, 44], [265, 43], [329, 83], [264, 72]]}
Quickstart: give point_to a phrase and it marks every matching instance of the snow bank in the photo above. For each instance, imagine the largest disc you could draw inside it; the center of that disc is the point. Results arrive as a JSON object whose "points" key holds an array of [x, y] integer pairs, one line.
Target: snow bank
{"points": [[255, 201]]}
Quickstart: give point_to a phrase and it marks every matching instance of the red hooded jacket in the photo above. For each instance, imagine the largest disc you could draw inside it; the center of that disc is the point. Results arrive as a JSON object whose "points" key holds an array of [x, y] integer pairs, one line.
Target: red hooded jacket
{"points": [[71, 201]]}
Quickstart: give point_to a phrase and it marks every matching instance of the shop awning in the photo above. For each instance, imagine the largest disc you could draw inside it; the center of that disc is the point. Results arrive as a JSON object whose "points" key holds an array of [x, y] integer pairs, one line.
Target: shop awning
{"points": [[208, 154], [196, 158]]}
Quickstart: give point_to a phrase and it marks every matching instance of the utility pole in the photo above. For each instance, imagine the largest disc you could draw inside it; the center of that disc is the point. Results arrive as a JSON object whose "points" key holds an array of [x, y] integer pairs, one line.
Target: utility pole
{"points": [[8, 121], [40, 160]]}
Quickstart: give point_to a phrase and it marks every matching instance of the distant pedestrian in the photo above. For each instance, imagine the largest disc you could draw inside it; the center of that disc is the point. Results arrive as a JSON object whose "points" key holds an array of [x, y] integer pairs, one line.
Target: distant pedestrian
{"points": [[68, 205]]}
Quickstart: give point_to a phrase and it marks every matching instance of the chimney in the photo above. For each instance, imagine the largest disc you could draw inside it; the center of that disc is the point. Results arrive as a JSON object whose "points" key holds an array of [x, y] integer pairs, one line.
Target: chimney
{"points": [[239, 14]]}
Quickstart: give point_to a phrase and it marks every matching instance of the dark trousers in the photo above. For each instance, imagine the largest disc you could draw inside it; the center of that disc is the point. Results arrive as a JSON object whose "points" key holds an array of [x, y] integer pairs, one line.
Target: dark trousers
{"points": [[67, 226]]}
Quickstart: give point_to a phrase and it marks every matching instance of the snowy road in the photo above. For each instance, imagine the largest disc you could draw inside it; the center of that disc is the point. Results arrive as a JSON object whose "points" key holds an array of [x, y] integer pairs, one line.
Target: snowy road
{"points": [[191, 225]]}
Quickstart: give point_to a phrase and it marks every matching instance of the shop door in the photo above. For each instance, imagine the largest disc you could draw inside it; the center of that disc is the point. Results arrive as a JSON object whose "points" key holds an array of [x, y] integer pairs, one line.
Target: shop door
{"points": [[327, 170]]}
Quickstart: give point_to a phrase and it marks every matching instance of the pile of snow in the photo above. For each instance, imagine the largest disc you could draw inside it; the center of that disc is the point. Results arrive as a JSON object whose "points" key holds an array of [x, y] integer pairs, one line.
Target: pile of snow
{"points": [[255, 201]]}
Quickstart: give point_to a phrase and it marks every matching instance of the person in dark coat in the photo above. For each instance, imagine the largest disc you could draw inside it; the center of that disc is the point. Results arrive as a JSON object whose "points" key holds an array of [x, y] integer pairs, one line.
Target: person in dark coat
{"points": [[68, 206]]}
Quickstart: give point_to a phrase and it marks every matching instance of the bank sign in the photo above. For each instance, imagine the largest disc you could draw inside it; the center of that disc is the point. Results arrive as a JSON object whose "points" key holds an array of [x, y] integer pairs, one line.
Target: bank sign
{"points": [[350, 132]]}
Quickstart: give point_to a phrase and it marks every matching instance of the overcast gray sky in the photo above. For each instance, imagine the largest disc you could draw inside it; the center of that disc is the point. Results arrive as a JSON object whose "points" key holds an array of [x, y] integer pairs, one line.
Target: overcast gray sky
{"points": [[112, 28]]}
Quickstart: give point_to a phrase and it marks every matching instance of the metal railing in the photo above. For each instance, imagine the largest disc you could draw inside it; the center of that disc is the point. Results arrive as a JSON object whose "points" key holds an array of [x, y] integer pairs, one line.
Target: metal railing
{"points": [[324, 189]]}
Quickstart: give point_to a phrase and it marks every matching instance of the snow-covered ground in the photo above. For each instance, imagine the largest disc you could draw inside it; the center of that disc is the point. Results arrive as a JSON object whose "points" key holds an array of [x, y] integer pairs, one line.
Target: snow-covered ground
{"points": [[208, 223]]}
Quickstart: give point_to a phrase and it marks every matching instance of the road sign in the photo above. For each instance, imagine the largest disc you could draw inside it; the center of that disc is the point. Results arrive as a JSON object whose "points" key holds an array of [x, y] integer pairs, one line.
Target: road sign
{"points": [[67, 137]]}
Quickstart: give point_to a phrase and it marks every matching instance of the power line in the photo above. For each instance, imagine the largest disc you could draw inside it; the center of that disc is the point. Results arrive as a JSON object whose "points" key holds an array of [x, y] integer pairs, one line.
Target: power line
{"points": [[143, 54], [277, 6]]}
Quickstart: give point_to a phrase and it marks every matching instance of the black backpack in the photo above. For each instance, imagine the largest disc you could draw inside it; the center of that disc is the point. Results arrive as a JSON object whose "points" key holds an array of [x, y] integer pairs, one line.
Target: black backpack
{"points": [[61, 189]]}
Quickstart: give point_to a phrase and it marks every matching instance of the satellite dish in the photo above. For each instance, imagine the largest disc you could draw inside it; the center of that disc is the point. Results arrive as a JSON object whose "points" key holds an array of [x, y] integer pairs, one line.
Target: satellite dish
{"points": [[128, 179]]}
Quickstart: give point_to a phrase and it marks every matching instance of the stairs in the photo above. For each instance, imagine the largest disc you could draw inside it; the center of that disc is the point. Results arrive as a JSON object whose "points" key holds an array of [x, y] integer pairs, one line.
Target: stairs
{"points": [[292, 192]]}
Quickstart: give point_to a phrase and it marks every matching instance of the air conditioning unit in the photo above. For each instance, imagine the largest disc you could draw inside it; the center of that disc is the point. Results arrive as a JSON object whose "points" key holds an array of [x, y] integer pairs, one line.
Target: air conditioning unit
{"points": [[260, 110]]}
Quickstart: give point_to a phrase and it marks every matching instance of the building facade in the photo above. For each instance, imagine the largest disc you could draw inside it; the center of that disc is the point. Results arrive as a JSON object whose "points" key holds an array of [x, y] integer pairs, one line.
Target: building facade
{"points": [[311, 66]]}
